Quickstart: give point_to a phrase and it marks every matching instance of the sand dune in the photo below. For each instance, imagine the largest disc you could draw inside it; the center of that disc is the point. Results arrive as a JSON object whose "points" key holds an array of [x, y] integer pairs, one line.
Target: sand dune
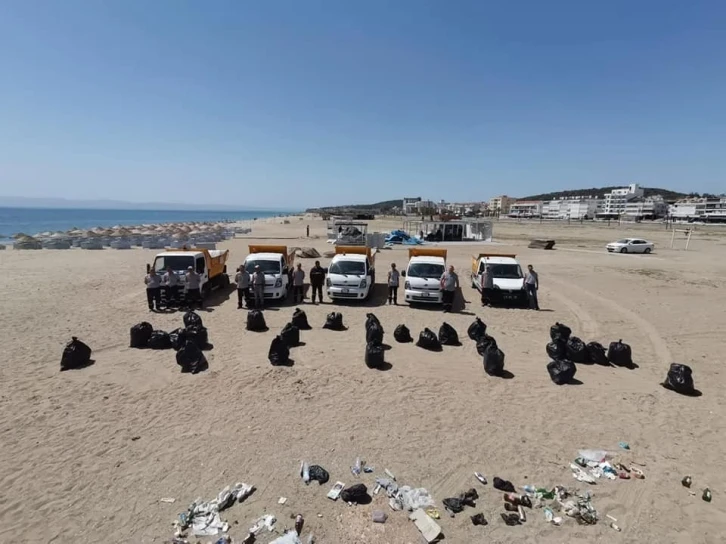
{"points": [[86, 455]]}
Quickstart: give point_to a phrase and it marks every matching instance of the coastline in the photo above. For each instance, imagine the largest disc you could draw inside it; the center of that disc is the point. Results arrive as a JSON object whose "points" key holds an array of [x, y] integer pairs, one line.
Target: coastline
{"points": [[34, 221]]}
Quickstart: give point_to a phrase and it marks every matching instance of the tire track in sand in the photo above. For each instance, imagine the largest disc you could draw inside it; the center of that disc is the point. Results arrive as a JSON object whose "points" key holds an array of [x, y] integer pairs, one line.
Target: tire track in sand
{"points": [[632, 497], [659, 345]]}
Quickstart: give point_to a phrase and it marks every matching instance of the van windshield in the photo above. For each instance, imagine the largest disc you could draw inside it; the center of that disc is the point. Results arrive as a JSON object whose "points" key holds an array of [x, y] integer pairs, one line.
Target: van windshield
{"points": [[425, 270], [348, 268], [506, 271], [178, 263], [267, 267]]}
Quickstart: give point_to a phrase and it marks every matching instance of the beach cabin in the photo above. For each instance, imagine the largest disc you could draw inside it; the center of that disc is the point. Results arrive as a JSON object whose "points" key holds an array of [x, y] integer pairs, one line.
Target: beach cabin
{"points": [[460, 230]]}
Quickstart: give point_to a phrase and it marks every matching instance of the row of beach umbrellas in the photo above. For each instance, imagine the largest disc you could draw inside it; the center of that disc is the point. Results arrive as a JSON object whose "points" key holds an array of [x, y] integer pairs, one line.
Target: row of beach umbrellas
{"points": [[124, 237]]}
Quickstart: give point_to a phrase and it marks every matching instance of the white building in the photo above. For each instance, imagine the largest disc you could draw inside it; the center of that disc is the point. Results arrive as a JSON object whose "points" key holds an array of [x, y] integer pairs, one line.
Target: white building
{"points": [[526, 209], [699, 209], [615, 200], [572, 208], [409, 205], [646, 208]]}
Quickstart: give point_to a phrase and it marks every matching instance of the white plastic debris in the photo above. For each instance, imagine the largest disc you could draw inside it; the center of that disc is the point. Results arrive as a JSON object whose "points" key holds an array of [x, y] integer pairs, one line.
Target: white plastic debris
{"points": [[267, 522], [424, 523], [282, 500], [291, 537]]}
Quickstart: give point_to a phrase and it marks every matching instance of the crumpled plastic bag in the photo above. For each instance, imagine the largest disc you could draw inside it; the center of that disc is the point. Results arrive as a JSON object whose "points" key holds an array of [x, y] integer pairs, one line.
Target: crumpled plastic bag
{"points": [[405, 497], [291, 537]]}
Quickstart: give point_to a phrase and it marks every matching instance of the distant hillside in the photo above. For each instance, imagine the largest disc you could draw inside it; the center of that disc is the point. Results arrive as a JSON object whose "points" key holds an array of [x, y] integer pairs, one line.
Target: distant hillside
{"points": [[377, 207], [599, 192]]}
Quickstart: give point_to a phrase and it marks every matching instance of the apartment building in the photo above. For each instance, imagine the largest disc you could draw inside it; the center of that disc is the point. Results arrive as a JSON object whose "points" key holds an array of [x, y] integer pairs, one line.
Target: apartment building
{"points": [[617, 199], [709, 210], [500, 205], [526, 208]]}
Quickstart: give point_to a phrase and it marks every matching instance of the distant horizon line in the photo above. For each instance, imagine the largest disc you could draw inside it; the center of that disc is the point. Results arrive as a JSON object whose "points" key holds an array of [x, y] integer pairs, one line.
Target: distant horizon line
{"points": [[148, 209]]}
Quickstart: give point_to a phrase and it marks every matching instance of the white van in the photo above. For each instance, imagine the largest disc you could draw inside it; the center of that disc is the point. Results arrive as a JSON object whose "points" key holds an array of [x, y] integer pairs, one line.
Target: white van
{"points": [[423, 275]]}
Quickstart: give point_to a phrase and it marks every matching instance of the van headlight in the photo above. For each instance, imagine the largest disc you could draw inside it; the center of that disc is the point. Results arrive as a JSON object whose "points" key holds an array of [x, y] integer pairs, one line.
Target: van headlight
{"points": [[278, 282], [407, 285], [363, 284], [328, 282]]}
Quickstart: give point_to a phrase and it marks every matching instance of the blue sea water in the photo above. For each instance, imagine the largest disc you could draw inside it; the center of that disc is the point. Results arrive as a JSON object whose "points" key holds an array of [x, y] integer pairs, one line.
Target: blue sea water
{"points": [[34, 220]]}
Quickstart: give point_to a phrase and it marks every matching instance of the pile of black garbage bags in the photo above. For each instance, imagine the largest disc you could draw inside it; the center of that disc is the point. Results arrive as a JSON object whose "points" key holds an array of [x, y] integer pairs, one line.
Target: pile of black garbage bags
{"points": [[375, 351], [188, 341], [289, 337], [486, 346], [565, 350]]}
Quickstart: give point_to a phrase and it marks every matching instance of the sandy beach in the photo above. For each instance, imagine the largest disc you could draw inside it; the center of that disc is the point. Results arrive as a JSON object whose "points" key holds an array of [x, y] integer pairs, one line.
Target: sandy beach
{"points": [[88, 454]]}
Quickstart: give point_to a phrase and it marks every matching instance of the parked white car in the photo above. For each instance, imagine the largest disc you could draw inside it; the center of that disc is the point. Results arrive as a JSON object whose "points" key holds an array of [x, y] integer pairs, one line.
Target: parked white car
{"points": [[631, 245]]}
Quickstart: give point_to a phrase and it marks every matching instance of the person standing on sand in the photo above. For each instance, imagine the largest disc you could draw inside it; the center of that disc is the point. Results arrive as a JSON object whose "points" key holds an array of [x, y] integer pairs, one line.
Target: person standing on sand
{"points": [[193, 285], [258, 288], [298, 284], [170, 282], [242, 279], [307, 231], [487, 285], [531, 284], [153, 290], [393, 280], [317, 280], [449, 285]]}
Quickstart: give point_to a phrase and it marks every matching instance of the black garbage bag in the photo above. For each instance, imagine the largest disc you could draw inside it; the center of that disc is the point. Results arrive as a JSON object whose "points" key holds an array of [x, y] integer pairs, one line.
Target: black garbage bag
{"points": [[198, 335], [576, 350], [291, 335], [596, 354], [558, 330], [357, 493], [300, 320], [256, 321], [562, 371], [428, 340], [680, 379], [192, 319], [374, 334], [454, 504], [319, 474], [334, 322], [177, 337], [494, 361], [619, 354], [140, 334], [159, 340], [279, 353], [479, 519], [448, 335], [477, 329], [402, 334], [76, 354], [503, 485], [483, 343], [371, 320], [191, 359], [374, 355], [557, 349]]}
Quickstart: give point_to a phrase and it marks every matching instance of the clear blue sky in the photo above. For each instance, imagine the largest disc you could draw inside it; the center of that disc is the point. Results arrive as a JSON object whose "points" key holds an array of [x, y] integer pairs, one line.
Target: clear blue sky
{"points": [[299, 103]]}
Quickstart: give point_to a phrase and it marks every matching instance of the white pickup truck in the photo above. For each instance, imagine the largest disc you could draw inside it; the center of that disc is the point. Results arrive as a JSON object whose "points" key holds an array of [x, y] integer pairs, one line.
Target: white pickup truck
{"points": [[423, 275], [508, 278], [351, 274], [276, 264]]}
